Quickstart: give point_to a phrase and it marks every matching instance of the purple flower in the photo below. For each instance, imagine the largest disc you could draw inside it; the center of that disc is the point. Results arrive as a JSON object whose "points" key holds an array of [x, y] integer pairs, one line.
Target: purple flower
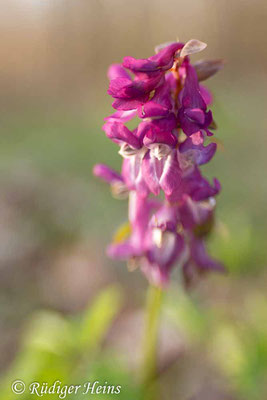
{"points": [[199, 262], [165, 246], [160, 62], [160, 260], [139, 214], [160, 105], [193, 113], [107, 174], [130, 93], [153, 241], [192, 151], [197, 216], [163, 155], [158, 126], [163, 173], [197, 187], [120, 134], [116, 181], [133, 176]]}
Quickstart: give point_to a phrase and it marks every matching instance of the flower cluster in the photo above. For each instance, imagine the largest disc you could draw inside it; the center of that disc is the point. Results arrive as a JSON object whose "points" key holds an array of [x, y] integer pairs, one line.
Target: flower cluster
{"points": [[163, 155]]}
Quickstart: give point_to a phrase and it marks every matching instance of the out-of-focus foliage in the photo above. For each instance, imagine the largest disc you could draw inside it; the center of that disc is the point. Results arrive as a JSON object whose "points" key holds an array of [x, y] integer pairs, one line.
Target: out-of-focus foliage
{"points": [[69, 349], [235, 342]]}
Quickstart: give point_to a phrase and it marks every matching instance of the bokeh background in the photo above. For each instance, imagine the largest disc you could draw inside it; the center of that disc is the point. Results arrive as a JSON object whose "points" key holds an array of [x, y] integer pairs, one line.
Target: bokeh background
{"points": [[69, 313]]}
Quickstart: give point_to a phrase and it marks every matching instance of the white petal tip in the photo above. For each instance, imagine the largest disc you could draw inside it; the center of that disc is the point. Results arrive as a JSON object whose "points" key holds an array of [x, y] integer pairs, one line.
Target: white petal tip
{"points": [[192, 46]]}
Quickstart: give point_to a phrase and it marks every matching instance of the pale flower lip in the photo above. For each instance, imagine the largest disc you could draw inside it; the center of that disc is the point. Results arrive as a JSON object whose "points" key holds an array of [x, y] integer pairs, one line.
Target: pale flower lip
{"points": [[162, 158], [191, 47], [159, 150]]}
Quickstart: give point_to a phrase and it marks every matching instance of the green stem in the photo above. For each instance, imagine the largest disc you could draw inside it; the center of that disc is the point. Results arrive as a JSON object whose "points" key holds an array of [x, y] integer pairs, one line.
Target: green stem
{"points": [[154, 299]]}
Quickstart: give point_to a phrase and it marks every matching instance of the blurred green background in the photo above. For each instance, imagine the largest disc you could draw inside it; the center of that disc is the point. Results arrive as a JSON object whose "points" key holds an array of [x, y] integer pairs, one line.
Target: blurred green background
{"points": [[68, 312]]}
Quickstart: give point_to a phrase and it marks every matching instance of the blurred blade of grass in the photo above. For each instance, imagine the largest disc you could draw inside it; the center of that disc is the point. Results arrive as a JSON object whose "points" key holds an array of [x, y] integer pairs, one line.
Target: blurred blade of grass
{"points": [[110, 369], [97, 318], [54, 346]]}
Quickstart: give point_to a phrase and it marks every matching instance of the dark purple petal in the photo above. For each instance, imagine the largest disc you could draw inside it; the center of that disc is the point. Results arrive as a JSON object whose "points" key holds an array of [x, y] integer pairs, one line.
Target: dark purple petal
{"points": [[171, 81], [153, 136], [191, 121], [192, 113], [124, 88], [165, 124], [198, 154], [159, 106], [189, 127], [152, 109], [131, 94], [206, 190], [190, 96], [196, 115], [198, 187], [118, 87], [163, 60], [161, 127], [208, 120]]}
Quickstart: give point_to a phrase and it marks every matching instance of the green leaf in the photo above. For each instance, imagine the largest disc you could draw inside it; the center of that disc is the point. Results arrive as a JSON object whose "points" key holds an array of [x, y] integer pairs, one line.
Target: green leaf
{"points": [[97, 319]]}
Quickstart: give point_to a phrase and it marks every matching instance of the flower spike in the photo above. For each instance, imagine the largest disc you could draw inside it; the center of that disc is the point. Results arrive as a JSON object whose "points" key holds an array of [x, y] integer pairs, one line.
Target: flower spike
{"points": [[163, 155]]}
